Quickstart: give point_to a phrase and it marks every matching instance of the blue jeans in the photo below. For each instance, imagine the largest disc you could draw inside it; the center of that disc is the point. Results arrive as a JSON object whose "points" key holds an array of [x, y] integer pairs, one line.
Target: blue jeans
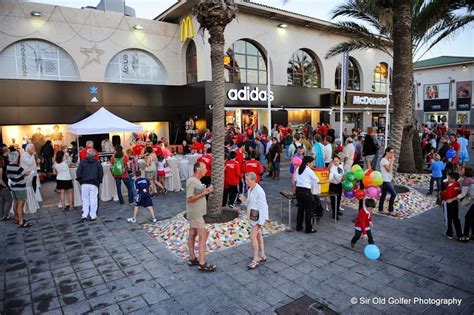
{"points": [[438, 183], [118, 184], [387, 187]]}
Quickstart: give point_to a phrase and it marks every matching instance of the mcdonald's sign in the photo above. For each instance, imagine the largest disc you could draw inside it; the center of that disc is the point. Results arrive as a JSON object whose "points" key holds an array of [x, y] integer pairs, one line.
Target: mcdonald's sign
{"points": [[187, 28]]}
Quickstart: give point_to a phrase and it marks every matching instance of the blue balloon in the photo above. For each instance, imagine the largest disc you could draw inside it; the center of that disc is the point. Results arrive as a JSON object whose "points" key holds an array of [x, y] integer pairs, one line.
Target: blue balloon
{"points": [[451, 153], [372, 252]]}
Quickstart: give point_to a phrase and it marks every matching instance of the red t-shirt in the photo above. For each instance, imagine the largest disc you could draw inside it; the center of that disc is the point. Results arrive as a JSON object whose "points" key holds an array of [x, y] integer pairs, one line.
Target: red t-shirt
{"points": [[232, 174], [157, 149], [283, 132], [467, 132], [125, 163], [196, 146], [83, 153], [452, 190], [442, 130], [239, 157], [207, 159], [137, 149], [253, 166], [456, 146], [323, 130]]}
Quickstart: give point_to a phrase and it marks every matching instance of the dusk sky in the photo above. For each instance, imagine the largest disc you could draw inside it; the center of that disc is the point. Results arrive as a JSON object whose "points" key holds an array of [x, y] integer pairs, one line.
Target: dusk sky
{"points": [[461, 45]]}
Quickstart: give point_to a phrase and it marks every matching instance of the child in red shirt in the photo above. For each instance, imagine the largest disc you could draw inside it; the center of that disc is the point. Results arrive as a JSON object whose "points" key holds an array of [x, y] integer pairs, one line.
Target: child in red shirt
{"points": [[253, 165], [451, 206], [363, 223]]}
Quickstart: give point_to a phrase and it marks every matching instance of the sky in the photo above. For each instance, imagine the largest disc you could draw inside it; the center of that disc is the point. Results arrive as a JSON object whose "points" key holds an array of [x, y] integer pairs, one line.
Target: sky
{"points": [[461, 45]]}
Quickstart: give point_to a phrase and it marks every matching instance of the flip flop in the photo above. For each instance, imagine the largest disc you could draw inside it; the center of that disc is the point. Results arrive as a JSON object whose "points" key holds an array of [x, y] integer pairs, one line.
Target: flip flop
{"points": [[263, 259], [193, 262], [254, 264]]}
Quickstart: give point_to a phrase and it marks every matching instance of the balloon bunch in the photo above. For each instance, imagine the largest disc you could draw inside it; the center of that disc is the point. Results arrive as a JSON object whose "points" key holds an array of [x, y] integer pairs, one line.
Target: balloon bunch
{"points": [[370, 179]]}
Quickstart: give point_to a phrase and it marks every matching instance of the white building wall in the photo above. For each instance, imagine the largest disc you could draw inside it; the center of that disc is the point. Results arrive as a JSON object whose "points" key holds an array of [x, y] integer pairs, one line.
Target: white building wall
{"points": [[73, 29]]}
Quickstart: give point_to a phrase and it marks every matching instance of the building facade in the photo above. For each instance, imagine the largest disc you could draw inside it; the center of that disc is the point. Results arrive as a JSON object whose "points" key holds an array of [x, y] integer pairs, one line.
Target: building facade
{"points": [[103, 55], [443, 90]]}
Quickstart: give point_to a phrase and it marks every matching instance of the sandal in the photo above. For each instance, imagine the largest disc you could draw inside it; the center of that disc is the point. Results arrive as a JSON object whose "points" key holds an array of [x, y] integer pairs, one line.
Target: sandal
{"points": [[193, 262], [5, 219], [254, 264], [263, 259], [207, 268], [24, 225]]}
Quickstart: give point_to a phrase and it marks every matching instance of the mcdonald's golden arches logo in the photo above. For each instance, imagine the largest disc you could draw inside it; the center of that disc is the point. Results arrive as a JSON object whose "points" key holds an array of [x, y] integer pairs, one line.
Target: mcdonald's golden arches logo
{"points": [[187, 28]]}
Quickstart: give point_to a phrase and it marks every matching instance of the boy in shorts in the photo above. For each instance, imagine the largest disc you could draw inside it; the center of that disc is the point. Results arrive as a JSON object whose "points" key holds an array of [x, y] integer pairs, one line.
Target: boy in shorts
{"points": [[142, 198]]}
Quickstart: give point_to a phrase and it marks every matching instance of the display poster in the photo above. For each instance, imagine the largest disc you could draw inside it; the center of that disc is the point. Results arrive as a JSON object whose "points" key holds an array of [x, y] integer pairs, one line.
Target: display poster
{"points": [[463, 95], [463, 118], [436, 97]]}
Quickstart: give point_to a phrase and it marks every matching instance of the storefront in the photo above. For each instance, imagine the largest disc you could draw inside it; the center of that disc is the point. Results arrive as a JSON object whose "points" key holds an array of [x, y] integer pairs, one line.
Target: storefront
{"points": [[361, 110], [247, 105], [45, 111]]}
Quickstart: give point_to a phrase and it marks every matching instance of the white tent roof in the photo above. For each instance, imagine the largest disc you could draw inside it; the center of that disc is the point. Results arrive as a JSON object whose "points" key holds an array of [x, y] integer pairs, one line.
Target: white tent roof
{"points": [[103, 121]]}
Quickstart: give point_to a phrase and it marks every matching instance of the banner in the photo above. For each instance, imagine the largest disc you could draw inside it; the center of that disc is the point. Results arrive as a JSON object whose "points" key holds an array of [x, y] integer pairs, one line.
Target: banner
{"points": [[463, 95], [436, 91]]}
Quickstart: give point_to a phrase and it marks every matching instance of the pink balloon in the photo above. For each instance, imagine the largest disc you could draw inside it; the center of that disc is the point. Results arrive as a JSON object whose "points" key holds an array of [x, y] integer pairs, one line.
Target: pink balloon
{"points": [[371, 192], [379, 191], [296, 161]]}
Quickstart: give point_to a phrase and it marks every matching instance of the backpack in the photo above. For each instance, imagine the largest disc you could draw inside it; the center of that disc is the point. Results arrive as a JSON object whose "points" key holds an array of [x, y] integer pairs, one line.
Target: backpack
{"points": [[119, 167]]}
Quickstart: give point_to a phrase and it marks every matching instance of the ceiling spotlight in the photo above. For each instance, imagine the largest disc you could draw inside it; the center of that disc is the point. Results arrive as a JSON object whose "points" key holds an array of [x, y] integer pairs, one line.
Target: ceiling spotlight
{"points": [[282, 25], [36, 13], [138, 27]]}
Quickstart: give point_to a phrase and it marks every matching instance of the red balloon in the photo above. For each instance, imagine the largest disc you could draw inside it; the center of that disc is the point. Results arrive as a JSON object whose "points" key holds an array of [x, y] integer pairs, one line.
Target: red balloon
{"points": [[368, 172], [359, 194], [367, 181], [356, 186]]}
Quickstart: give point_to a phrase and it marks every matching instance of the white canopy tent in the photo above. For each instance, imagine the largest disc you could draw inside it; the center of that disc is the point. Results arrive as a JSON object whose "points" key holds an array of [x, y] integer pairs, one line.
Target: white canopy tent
{"points": [[103, 121]]}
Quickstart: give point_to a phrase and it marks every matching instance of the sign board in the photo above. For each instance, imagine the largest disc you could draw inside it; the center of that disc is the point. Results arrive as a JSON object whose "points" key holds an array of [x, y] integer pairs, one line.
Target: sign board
{"points": [[463, 95], [436, 97], [187, 28], [248, 94], [366, 100]]}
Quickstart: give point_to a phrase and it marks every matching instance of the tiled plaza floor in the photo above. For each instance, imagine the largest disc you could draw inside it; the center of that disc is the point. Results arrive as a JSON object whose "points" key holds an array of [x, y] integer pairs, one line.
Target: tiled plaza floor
{"points": [[63, 266]]}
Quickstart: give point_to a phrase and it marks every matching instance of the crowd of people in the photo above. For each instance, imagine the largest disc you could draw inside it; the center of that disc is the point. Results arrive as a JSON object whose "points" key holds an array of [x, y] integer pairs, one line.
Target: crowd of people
{"points": [[249, 155]]}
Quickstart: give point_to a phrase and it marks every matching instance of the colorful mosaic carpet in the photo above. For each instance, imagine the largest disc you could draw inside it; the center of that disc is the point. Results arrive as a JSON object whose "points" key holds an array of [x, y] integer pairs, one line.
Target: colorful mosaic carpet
{"points": [[174, 233]]}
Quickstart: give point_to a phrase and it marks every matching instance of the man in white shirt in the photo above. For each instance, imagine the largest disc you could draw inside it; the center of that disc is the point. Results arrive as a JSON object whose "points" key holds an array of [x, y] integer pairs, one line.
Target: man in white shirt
{"points": [[348, 154], [327, 149]]}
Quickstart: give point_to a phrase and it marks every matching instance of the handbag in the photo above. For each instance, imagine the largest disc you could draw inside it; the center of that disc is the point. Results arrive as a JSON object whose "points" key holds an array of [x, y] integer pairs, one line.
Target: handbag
{"points": [[254, 215]]}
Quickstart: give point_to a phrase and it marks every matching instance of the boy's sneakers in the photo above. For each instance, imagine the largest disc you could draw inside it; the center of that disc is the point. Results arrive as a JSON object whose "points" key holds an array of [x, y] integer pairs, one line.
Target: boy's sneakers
{"points": [[154, 220], [353, 245], [132, 220], [449, 236]]}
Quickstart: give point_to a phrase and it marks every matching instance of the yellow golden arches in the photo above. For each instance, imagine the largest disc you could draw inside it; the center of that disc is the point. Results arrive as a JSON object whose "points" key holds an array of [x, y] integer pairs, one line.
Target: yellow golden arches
{"points": [[187, 28]]}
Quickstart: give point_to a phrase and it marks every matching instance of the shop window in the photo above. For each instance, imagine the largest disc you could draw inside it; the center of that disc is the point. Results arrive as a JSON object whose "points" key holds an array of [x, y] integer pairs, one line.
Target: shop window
{"points": [[37, 59], [135, 66], [303, 70], [379, 84], [245, 64], [191, 63], [353, 76]]}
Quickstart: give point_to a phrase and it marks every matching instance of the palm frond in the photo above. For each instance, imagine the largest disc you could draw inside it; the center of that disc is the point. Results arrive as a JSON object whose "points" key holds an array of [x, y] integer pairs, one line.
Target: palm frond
{"points": [[356, 44], [360, 10]]}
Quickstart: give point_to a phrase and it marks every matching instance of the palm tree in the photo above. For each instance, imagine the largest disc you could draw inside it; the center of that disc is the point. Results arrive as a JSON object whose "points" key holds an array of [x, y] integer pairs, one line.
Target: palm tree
{"points": [[214, 16], [430, 23]]}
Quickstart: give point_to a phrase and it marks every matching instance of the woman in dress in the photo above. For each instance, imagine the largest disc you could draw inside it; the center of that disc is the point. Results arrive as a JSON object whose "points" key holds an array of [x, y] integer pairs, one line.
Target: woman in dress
{"points": [[257, 209], [63, 180]]}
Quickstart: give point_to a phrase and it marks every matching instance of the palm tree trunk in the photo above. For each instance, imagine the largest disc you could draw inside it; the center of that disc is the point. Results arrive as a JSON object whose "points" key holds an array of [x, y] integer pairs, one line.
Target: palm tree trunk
{"points": [[216, 40], [402, 127]]}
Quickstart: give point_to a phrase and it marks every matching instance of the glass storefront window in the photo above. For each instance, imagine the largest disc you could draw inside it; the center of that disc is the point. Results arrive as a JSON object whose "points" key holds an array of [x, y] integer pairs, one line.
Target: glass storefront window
{"points": [[353, 74], [247, 64], [135, 66], [303, 69], [37, 59], [191, 63], [379, 83]]}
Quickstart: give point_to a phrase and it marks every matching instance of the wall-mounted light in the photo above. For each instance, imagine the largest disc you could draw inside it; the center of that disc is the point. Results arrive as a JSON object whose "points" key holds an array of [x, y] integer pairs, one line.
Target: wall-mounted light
{"points": [[138, 27], [282, 25], [36, 13], [464, 67]]}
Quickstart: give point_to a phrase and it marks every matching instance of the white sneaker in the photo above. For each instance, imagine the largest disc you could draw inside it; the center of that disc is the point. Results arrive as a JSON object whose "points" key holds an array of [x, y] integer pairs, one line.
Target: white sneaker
{"points": [[132, 220], [154, 220]]}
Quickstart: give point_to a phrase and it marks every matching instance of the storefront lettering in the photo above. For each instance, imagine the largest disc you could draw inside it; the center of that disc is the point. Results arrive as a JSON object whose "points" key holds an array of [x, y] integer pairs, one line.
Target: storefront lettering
{"points": [[125, 63], [245, 94], [365, 100]]}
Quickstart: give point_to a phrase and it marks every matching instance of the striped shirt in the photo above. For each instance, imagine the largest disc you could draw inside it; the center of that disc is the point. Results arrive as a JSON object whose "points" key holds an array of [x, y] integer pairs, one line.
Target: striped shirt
{"points": [[17, 179]]}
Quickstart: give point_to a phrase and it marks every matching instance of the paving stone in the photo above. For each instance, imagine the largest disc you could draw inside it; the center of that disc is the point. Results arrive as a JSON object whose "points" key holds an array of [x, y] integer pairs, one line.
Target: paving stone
{"points": [[157, 296], [80, 307], [47, 305], [132, 304]]}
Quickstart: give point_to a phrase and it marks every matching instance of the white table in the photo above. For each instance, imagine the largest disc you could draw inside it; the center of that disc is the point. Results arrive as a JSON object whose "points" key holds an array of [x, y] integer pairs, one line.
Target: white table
{"points": [[173, 183], [192, 158]]}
